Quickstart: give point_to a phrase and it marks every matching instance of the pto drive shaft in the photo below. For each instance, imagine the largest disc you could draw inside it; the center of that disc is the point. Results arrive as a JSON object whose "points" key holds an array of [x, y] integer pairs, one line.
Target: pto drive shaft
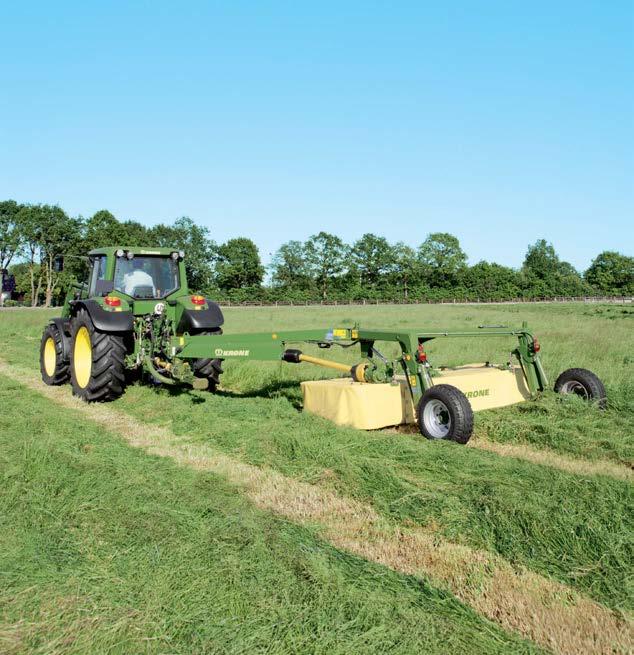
{"points": [[356, 372]]}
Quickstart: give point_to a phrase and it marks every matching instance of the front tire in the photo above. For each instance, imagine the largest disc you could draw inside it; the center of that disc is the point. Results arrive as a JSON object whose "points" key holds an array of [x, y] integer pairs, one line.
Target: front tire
{"points": [[209, 369], [583, 383], [444, 412], [97, 362], [54, 364]]}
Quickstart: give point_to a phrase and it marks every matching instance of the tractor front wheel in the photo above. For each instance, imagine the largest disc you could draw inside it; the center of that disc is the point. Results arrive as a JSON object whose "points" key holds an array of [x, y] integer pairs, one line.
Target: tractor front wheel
{"points": [[444, 412], [209, 369], [54, 363], [97, 367]]}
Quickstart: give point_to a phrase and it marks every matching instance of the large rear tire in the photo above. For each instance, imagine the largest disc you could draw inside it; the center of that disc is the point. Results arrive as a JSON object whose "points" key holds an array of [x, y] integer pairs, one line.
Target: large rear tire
{"points": [[209, 369], [444, 412], [97, 361], [583, 383], [54, 364]]}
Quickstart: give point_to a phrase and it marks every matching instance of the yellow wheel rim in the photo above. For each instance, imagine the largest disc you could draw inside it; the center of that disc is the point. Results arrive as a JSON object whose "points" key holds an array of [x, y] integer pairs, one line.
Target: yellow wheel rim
{"points": [[82, 357], [50, 357]]}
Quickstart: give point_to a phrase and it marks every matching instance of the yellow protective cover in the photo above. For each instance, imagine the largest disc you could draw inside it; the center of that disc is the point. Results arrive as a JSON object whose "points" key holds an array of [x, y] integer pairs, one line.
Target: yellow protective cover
{"points": [[374, 406], [363, 406], [487, 387]]}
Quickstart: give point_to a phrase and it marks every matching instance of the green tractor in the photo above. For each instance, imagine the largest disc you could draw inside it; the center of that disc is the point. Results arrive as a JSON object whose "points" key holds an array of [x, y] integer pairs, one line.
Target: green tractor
{"points": [[123, 320]]}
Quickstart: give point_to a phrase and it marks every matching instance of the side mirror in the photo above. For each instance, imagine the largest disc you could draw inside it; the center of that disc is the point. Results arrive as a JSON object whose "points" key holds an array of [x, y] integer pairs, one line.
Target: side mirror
{"points": [[58, 264]]}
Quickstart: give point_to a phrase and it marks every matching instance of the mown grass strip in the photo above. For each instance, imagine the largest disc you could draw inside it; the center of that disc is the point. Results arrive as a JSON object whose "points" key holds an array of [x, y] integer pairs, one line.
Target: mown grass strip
{"points": [[576, 528], [543, 457], [105, 549], [547, 612]]}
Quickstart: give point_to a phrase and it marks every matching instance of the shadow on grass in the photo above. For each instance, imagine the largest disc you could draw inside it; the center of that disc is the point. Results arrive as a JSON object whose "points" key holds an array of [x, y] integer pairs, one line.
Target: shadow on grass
{"points": [[282, 388]]}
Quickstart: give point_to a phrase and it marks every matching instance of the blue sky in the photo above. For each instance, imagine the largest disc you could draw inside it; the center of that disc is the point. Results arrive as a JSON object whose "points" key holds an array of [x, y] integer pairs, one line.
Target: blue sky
{"points": [[501, 122]]}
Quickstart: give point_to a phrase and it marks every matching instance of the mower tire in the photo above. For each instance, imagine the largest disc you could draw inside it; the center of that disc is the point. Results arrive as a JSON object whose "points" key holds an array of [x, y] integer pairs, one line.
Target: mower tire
{"points": [[54, 362], [209, 369], [444, 412], [97, 361], [584, 383]]}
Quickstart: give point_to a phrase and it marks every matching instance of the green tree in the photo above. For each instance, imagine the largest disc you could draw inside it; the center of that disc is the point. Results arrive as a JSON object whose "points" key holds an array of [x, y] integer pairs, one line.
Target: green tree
{"points": [[48, 234], [541, 261], [612, 272], [442, 259], [10, 232], [546, 275], [238, 265], [195, 241], [104, 229], [406, 268], [372, 258], [491, 281], [136, 235], [326, 257], [59, 235], [290, 268], [29, 219]]}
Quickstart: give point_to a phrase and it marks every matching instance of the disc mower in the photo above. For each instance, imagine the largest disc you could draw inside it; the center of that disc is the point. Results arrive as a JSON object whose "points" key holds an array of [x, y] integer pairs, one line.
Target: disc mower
{"points": [[136, 317]]}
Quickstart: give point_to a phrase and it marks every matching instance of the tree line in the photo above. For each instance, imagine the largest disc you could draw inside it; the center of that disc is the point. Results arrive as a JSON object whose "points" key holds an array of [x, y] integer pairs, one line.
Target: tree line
{"points": [[324, 267]]}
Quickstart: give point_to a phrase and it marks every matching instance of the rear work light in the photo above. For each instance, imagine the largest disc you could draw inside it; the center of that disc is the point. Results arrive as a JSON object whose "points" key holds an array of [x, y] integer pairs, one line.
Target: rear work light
{"points": [[112, 301], [198, 300]]}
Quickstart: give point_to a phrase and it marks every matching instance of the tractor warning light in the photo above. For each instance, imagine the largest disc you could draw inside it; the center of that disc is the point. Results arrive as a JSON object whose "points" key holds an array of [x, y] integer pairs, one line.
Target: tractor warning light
{"points": [[536, 347], [198, 300], [421, 355], [112, 301]]}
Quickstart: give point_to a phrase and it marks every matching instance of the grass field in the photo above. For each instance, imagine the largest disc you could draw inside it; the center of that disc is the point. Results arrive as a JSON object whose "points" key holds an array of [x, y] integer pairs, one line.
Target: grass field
{"points": [[184, 522]]}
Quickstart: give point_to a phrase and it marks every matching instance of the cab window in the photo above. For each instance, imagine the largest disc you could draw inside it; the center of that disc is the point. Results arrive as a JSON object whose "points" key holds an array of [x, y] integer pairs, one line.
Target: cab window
{"points": [[146, 277], [98, 275]]}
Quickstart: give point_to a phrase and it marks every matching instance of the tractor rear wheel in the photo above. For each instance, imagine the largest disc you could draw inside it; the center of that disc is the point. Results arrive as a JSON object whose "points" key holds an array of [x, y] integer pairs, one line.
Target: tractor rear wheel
{"points": [[54, 364], [97, 366], [209, 369], [583, 383], [444, 412]]}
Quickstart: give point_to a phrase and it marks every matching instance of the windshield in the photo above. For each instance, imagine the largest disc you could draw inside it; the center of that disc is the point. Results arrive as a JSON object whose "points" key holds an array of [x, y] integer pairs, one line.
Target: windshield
{"points": [[146, 277]]}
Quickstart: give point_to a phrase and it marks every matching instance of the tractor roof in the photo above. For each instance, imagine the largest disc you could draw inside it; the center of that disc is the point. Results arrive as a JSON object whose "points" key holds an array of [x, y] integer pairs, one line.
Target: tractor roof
{"points": [[136, 250]]}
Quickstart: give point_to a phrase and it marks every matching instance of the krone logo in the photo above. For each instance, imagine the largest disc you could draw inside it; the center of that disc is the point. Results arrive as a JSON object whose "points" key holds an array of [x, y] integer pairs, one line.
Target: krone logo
{"points": [[219, 352], [476, 394]]}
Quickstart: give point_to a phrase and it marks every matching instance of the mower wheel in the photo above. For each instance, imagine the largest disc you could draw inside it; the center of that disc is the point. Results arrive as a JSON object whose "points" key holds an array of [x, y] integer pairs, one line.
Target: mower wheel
{"points": [[54, 363], [209, 369], [97, 367], [583, 383], [444, 412]]}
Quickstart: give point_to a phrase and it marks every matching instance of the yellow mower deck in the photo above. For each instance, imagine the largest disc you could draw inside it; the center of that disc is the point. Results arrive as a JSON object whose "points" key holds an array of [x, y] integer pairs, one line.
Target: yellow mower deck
{"points": [[374, 406]]}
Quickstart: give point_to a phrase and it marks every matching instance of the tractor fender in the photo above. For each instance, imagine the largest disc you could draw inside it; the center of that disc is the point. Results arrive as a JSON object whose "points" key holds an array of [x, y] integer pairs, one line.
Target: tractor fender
{"points": [[103, 320], [194, 320]]}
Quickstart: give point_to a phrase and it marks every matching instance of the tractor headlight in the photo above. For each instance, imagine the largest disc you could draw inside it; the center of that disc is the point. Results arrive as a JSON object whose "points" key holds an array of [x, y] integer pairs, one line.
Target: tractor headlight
{"points": [[129, 255], [119, 253], [174, 255], [181, 254]]}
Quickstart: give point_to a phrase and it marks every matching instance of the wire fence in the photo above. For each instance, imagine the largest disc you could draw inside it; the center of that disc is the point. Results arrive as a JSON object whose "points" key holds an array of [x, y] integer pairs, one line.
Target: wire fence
{"points": [[616, 300], [620, 300]]}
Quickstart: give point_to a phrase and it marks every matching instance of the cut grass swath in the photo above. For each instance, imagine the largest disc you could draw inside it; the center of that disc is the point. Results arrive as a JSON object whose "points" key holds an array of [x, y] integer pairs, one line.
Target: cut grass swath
{"points": [[104, 549], [549, 613]]}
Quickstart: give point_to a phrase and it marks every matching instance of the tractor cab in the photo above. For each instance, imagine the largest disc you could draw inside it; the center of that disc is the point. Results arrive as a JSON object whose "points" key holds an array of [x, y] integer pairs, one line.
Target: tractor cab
{"points": [[137, 273]]}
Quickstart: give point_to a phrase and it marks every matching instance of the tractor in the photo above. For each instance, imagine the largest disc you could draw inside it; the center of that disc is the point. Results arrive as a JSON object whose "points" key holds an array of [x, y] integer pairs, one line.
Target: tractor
{"points": [[136, 316], [122, 321]]}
